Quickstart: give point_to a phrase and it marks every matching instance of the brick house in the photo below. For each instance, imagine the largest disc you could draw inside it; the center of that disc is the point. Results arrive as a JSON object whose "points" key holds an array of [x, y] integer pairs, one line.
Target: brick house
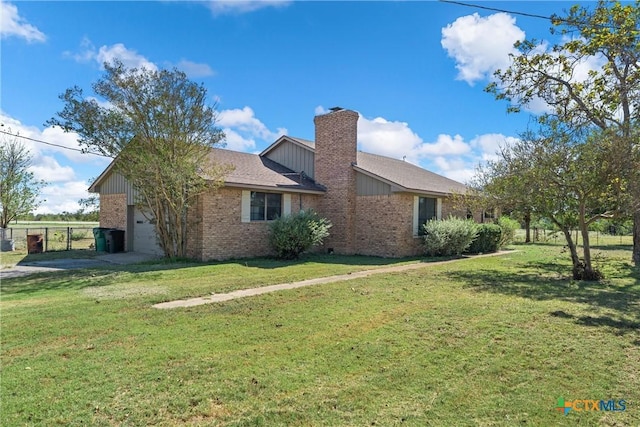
{"points": [[375, 203]]}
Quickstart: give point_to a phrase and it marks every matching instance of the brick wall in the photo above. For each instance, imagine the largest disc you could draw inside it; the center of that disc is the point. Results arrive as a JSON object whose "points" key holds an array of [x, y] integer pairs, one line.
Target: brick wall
{"points": [[385, 226], [335, 152], [113, 211], [218, 232]]}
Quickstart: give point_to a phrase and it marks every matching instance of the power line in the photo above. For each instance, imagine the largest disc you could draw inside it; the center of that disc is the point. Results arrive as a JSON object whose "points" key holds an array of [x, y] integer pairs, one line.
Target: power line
{"points": [[54, 145], [495, 9], [552, 18]]}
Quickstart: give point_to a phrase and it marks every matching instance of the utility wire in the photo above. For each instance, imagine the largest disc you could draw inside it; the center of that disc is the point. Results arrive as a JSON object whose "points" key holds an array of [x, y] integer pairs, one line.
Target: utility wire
{"points": [[54, 145], [552, 18], [495, 9]]}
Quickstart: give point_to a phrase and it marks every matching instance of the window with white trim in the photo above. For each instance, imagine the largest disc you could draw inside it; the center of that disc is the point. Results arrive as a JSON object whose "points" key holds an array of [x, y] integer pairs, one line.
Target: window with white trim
{"points": [[265, 206], [427, 210]]}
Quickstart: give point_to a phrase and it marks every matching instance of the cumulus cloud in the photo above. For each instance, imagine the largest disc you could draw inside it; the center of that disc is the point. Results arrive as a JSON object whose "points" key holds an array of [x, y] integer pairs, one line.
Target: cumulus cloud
{"points": [[221, 7], [55, 164], [242, 128], [448, 155], [130, 58], [14, 25], [48, 169], [481, 45], [193, 69], [396, 139], [62, 197], [490, 144]]}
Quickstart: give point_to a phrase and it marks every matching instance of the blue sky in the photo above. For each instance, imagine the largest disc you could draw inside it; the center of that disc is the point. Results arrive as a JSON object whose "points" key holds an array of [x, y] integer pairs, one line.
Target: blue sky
{"points": [[415, 71]]}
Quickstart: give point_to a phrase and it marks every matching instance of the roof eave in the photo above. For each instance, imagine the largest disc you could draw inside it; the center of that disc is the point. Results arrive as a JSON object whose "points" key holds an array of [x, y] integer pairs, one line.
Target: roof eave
{"points": [[287, 188]]}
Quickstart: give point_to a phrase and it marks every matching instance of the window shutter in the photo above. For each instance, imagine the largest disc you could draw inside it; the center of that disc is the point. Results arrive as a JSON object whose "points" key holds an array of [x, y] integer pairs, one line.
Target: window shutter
{"points": [[439, 208], [416, 212], [245, 210], [286, 204]]}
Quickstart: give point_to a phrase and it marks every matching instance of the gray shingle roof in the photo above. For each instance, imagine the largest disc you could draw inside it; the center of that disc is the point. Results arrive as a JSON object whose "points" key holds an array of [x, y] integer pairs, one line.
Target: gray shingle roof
{"points": [[406, 175], [251, 170]]}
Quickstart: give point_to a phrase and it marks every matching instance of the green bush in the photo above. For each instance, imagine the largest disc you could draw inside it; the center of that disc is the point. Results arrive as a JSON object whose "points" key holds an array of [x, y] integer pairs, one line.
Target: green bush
{"points": [[293, 234], [448, 237], [509, 227], [487, 240]]}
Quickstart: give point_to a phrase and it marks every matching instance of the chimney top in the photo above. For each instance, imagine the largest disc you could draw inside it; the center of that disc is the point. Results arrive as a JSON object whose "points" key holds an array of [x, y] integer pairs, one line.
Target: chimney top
{"points": [[334, 109]]}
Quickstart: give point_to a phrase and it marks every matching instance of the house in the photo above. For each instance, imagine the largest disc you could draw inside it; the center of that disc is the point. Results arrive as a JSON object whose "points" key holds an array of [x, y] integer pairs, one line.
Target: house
{"points": [[375, 203]]}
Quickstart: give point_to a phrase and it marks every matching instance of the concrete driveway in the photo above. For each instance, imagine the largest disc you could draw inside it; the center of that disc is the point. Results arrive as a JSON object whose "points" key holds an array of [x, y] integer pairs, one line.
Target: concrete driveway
{"points": [[31, 267]]}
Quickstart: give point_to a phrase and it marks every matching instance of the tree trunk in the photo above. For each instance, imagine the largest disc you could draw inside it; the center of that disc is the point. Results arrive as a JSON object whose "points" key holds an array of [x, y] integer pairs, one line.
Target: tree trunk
{"points": [[575, 259], [527, 227], [636, 238]]}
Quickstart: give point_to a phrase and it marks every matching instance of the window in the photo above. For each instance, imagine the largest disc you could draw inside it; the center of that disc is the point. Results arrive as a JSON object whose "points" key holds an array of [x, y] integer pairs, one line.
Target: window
{"points": [[427, 210], [265, 206]]}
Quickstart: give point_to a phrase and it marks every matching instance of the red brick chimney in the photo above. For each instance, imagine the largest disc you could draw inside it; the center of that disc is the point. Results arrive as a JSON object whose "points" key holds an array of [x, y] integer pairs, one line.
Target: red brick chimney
{"points": [[335, 153]]}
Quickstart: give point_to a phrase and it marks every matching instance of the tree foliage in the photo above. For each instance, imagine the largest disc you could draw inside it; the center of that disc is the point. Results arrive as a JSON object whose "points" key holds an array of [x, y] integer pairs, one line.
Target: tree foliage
{"points": [[160, 129], [19, 190], [604, 41], [573, 181]]}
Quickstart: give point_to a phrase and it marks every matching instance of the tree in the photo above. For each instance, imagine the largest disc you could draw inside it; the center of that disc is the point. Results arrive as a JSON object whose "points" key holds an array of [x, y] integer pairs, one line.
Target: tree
{"points": [[19, 190], [161, 131], [606, 97], [570, 181]]}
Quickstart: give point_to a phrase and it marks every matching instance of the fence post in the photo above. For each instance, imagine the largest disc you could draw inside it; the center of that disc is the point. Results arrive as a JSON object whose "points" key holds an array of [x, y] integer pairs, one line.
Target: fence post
{"points": [[69, 230], [46, 239]]}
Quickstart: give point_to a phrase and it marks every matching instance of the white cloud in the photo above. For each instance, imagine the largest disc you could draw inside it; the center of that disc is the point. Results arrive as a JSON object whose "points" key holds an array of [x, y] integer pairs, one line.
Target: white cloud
{"points": [[397, 140], [234, 141], [242, 128], [481, 45], [490, 144], [62, 197], [47, 163], [387, 138], [129, 57], [220, 7], [12, 24], [193, 69], [48, 169], [320, 110]]}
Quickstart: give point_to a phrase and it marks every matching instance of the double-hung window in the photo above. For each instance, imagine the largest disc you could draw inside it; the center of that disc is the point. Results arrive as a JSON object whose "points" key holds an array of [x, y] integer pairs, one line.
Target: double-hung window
{"points": [[425, 209], [265, 206]]}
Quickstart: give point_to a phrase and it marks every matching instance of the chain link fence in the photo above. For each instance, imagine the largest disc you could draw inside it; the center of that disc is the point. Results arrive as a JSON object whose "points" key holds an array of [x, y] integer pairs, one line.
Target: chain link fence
{"points": [[52, 238]]}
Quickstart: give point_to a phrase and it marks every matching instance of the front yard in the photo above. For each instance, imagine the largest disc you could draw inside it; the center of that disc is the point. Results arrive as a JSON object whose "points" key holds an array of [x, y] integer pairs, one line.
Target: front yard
{"points": [[486, 341]]}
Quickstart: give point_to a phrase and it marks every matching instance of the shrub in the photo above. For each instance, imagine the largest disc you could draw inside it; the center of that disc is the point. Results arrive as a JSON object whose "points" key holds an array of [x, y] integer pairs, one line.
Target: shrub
{"points": [[509, 227], [293, 234], [448, 237], [487, 240]]}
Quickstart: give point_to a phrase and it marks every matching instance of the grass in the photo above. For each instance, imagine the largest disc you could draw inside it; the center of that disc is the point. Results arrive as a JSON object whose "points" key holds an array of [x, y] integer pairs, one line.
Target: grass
{"points": [[486, 341]]}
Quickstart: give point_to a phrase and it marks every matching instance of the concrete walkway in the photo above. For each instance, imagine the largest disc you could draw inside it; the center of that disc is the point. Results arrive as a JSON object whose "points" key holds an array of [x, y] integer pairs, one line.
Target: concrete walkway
{"points": [[47, 266], [309, 282]]}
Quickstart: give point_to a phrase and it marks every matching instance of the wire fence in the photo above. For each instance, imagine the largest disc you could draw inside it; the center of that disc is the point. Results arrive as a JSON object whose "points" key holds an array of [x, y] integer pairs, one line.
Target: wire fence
{"points": [[51, 238]]}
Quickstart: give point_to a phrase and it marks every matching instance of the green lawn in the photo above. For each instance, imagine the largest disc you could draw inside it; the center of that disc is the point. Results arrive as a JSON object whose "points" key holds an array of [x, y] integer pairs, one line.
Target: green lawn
{"points": [[487, 341]]}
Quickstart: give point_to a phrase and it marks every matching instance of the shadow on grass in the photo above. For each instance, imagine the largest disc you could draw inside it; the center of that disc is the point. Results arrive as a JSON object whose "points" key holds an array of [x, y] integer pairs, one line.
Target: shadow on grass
{"points": [[92, 275], [616, 306]]}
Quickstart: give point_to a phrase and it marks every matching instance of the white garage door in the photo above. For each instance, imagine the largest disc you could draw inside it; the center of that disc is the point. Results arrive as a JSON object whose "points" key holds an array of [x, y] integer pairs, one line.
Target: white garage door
{"points": [[144, 235]]}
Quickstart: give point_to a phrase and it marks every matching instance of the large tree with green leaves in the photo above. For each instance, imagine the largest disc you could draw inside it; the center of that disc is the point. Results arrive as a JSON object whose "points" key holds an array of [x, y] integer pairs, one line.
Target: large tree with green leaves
{"points": [[19, 189], [605, 41], [160, 129], [566, 177]]}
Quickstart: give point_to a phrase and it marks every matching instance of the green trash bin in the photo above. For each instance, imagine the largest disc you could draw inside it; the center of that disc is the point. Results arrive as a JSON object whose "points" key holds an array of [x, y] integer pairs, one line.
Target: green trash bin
{"points": [[100, 239]]}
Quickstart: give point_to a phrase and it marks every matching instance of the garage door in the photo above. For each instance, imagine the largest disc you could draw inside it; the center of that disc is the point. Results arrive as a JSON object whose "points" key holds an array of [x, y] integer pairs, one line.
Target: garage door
{"points": [[144, 235]]}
